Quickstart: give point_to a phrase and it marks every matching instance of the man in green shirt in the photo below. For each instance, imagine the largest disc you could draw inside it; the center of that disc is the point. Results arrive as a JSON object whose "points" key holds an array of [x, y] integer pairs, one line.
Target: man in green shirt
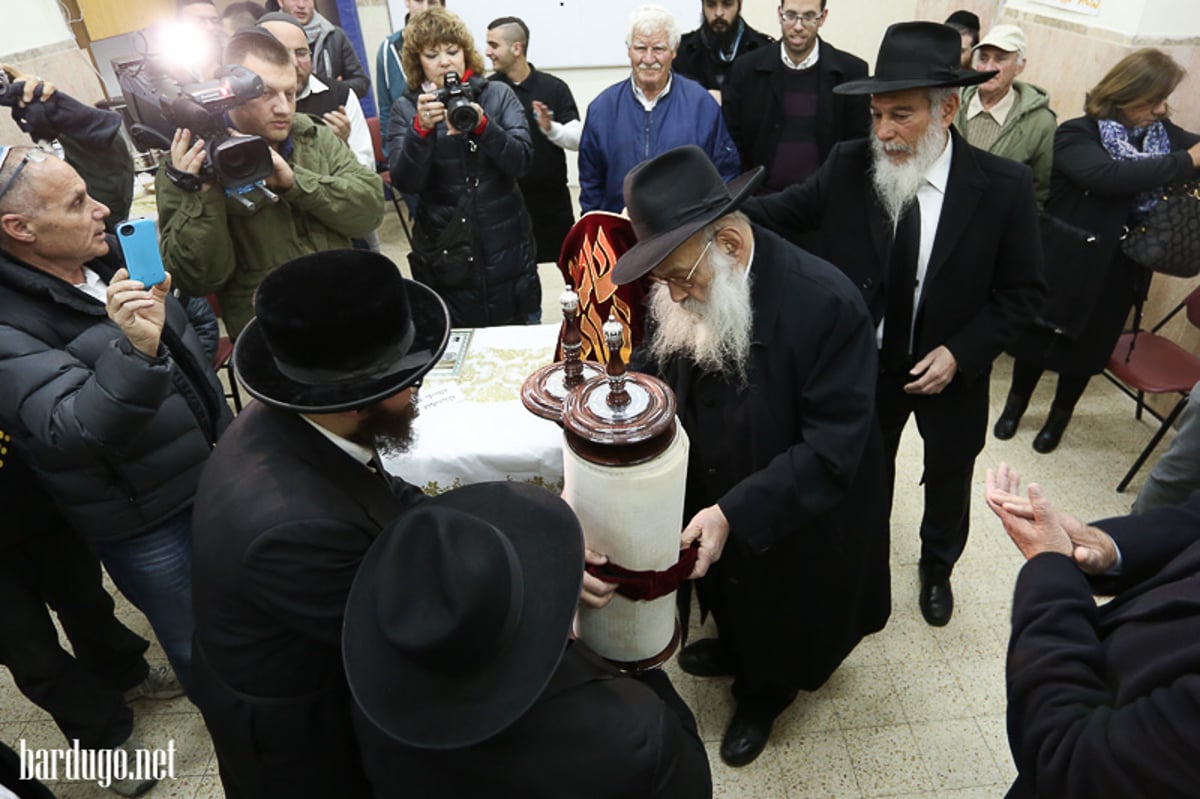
{"points": [[213, 243]]}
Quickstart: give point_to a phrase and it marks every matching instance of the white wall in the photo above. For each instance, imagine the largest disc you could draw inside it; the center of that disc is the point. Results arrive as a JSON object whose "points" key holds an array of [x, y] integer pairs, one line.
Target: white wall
{"points": [[1123, 16], [39, 23]]}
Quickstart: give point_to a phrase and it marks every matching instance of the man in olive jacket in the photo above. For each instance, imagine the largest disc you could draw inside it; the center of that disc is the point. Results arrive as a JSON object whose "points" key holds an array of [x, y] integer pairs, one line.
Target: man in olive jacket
{"points": [[1005, 116], [214, 244]]}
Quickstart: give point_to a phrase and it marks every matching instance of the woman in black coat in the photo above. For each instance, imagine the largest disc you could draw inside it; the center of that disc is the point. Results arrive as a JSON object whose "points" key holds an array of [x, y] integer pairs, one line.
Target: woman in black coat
{"points": [[472, 237], [1109, 167]]}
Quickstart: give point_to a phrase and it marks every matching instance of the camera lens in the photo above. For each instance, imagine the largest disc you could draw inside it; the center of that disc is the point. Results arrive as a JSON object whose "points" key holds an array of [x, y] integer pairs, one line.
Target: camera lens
{"points": [[126, 230]]}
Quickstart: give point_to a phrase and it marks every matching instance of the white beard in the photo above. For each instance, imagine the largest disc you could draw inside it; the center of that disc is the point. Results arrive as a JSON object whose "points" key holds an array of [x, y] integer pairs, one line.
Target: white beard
{"points": [[897, 184], [714, 335]]}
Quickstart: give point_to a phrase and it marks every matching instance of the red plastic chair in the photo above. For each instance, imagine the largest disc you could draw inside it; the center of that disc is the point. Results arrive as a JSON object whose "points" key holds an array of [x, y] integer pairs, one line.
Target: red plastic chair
{"points": [[223, 359], [385, 174], [1143, 362]]}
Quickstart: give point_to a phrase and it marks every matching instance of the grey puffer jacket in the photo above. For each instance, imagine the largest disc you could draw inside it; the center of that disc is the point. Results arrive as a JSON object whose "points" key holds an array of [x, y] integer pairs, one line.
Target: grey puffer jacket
{"points": [[505, 290], [117, 438]]}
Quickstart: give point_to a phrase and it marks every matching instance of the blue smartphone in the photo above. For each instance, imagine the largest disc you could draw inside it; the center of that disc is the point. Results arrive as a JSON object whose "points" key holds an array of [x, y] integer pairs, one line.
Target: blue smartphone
{"points": [[139, 243]]}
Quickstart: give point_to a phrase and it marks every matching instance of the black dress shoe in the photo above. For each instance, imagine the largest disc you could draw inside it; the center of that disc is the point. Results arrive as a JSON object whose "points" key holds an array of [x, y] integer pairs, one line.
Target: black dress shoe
{"points": [[744, 741], [1006, 426], [936, 599], [708, 657], [1051, 433]]}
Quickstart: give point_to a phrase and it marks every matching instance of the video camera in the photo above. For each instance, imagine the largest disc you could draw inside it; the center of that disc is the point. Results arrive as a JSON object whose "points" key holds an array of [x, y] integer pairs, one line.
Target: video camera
{"points": [[158, 102], [457, 97]]}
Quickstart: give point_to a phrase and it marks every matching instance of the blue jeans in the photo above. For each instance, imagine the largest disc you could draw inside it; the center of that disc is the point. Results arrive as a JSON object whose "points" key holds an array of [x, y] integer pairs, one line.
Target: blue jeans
{"points": [[154, 572]]}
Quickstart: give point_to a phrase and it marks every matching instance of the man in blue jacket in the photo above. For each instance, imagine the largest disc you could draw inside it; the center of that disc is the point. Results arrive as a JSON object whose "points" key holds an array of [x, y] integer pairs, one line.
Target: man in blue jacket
{"points": [[652, 112]]}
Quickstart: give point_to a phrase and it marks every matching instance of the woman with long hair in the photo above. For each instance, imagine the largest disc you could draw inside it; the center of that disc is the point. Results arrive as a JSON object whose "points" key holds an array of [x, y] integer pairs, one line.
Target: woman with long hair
{"points": [[1110, 166]]}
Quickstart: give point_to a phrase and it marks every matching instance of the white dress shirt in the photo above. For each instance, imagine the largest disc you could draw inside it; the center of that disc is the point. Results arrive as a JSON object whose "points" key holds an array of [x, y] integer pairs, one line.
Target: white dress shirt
{"points": [[930, 197], [809, 61], [362, 454], [646, 102]]}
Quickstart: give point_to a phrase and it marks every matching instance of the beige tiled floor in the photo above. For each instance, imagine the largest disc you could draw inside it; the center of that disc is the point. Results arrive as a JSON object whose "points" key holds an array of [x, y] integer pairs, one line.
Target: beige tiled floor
{"points": [[913, 712]]}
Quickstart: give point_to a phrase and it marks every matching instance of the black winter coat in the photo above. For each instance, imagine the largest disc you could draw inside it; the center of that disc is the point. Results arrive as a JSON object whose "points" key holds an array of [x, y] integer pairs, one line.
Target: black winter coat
{"points": [[1104, 702], [502, 288], [696, 60], [1089, 292], [117, 439], [334, 60], [796, 462]]}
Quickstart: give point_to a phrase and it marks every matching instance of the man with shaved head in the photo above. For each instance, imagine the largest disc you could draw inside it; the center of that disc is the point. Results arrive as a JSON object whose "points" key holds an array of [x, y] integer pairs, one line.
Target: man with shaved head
{"points": [[550, 108]]}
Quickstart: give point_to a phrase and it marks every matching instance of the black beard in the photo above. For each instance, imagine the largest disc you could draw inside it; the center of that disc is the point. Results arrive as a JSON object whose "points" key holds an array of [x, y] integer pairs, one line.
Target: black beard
{"points": [[720, 40], [386, 432]]}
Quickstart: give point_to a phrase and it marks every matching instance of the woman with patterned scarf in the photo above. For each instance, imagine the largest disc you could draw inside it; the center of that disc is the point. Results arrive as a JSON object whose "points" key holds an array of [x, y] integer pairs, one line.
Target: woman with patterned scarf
{"points": [[1109, 168]]}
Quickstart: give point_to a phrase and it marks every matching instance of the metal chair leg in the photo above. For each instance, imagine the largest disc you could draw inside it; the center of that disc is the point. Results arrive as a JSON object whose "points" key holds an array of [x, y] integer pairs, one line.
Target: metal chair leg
{"points": [[1162, 431]]}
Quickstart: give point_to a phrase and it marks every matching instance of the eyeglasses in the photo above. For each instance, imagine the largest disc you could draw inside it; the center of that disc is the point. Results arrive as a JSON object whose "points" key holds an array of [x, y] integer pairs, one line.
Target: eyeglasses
{"points": [[34, 155], [686, 282], [302, 53], [809, 18]]}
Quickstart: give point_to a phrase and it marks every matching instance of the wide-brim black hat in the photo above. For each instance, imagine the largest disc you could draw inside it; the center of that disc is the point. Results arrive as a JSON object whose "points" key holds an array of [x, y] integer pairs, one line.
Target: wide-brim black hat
{"points": [[339, 330], [916, 55], [669, 198], [460, 613]]}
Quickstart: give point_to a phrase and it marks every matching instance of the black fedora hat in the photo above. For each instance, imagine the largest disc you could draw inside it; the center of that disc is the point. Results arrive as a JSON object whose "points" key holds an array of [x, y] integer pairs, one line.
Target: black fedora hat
{"points": [[460, 612], [339, 330], [670, 197], [916, 55]]}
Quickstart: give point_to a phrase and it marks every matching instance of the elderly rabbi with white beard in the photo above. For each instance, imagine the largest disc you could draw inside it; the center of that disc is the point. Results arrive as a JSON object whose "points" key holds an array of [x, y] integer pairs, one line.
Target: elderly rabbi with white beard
{"points": [[942, 240], [771, 354]]}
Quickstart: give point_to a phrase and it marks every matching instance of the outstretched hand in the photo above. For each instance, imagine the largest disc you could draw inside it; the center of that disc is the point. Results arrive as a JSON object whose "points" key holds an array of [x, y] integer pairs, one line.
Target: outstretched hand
{"points": [[1036, 526]]}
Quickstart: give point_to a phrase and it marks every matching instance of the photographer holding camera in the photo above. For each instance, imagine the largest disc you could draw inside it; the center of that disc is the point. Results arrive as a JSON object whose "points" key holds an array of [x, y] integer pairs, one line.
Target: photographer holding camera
{"points": [[318, 196], [460, 142]]}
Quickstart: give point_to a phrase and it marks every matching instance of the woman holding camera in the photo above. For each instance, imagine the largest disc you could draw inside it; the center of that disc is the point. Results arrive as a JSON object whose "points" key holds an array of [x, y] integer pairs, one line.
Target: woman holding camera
{"points": [[460, 142], [1109, 168]]}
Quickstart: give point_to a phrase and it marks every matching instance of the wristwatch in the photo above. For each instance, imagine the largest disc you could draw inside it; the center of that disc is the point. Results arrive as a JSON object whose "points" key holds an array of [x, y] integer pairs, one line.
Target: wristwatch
{"points": [[185, 181]]}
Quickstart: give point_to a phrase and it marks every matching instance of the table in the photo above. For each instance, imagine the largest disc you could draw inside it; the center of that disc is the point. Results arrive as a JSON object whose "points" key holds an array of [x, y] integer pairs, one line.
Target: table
{"points": [[472, 425]]}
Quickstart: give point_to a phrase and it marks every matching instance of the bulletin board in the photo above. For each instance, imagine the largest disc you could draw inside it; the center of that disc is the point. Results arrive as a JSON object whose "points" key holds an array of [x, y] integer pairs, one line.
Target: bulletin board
{"points": [[563, 33]]}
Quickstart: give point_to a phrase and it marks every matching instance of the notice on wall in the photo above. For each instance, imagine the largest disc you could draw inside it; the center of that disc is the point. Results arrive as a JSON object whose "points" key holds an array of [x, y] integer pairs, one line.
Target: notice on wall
{"points": [[1078, 6]]}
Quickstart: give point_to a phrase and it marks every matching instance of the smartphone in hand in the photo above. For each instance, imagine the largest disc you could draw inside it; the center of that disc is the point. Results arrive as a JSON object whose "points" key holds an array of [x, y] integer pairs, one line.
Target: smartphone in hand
{"points": [[139, 243]]}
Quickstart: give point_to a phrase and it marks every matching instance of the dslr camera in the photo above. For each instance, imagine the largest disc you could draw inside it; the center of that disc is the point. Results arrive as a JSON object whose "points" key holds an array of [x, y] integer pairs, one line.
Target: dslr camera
{"points": [[457, 97], [158, 103]]}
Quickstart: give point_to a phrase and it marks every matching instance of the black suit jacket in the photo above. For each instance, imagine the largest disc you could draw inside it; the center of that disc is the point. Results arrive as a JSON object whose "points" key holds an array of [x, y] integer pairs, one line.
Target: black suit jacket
{"points": [[1104, 702], [594, 733], [753, 97], [283, 518], [795, 461], [985, 273]]}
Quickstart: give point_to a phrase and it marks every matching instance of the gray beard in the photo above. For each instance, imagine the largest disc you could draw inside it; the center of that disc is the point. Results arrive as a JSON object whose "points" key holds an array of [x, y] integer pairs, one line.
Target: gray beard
{"points": [[714, 335], [897, 184]]}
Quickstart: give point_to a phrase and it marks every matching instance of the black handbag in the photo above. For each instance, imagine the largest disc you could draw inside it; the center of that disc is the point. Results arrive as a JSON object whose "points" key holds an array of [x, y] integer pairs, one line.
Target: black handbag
{"points": [[1168, 239]]}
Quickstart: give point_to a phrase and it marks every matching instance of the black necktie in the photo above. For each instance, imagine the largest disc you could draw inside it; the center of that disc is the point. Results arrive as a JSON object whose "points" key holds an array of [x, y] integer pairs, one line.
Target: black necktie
{"points": [[376, 466], [901, 286]]}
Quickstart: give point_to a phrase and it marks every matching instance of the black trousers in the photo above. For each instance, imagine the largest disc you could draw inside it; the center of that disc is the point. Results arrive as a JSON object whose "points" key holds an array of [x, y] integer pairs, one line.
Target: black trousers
{"points": [[84, 692], [953, 427]]}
